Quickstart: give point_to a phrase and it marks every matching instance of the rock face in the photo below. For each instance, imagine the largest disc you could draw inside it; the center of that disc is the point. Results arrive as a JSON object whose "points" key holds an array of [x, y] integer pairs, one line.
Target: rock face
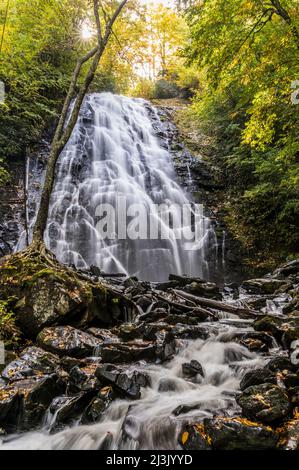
{"points": [[24, 402], [127, 382], [228, 434], [266, 403], [192, 369], [67, 341], [32, 362], [257, 377]]}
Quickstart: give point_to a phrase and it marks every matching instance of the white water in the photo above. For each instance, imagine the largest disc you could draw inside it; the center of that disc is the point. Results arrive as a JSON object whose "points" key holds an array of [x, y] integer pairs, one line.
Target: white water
{"points": [[114, 153], [149, 423]]}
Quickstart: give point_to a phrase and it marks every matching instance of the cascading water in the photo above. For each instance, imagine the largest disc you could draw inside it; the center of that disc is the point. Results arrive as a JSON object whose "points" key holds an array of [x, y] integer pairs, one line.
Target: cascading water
{"points": [[114, 154], [152, 423]]}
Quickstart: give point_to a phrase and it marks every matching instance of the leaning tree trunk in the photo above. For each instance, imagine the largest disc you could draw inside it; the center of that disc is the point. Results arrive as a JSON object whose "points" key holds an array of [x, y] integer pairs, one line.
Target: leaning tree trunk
{"points": [[65, 128]]}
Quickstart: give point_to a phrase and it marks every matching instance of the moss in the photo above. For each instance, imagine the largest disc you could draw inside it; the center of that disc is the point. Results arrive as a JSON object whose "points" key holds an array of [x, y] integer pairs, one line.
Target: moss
{"points": [[9, 332]]}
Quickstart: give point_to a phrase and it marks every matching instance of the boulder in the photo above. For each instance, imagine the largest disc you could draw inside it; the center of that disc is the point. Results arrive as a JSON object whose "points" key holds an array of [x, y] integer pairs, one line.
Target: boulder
{"points": [[239, 434], [24, 402], [257, 341], [190, 332], [83, 378], [67, 341], [98, 405], [194, 437], [289, 435], [266, 403], [65, 409], [192, 369], [32, 362], [124, 381], [257, 377], [263, 286], [206, 289], [165, 345], [280, 363], [106, 336], [118, 353]]}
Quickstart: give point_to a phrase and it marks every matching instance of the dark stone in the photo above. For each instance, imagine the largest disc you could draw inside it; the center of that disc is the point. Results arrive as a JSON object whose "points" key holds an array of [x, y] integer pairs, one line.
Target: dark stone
{"points": [[257, 341], [280, 363], [257, 377], [266, 403], [190, 332], [127, 352], [129, 332], [270, 325], [165, 345], [291, 380], [67, 341], [24, 402], [194, 437], [48, 301], [97, 406], [207, 289], [126, 382], [184, 409], [290, 435], [192, 369], [106, 336], [262, 286], [83, 378], [32, 362], [66, 409], [239, 434], [150, 330]]}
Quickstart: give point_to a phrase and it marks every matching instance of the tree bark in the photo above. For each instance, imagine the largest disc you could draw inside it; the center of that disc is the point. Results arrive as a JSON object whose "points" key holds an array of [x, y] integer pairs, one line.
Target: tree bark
{"points": [[64, 129]]}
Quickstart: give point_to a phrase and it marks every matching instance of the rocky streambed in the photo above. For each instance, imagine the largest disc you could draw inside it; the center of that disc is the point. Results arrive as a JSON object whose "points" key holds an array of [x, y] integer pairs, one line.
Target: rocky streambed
{"points": [[113, 363]]}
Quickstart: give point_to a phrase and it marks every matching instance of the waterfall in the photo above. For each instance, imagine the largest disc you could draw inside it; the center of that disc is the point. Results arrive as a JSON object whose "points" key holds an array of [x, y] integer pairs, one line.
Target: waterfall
{"points": [[114, 154]]}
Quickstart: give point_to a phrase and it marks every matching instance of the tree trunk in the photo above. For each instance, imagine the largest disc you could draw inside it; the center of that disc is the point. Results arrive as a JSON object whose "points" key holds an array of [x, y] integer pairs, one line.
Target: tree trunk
{"points": [[64, 129], [282, 12]]}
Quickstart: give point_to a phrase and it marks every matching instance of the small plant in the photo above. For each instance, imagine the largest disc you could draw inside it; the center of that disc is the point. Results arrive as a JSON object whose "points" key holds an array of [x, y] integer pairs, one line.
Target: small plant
{"points": [[9, 332]]}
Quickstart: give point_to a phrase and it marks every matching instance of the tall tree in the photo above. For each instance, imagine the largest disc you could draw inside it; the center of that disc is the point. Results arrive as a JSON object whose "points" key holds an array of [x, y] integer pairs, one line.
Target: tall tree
{"points": [[66, 125]]}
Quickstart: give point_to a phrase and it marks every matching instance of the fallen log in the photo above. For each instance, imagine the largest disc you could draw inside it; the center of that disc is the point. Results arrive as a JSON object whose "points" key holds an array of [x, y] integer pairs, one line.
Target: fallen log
{"points": [[189, 308], [217, 305]]}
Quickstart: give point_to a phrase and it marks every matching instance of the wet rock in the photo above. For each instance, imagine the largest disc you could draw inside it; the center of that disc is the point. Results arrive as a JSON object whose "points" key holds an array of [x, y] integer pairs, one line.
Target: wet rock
{"points": [[207, 289], [165, 345], [66, 409], [257, 341], [294, 396], [167, 385], [289, 435], [192, 369], [194, 437], [106, 336], [83, 378], [291, 333], [263, 286], [182, 319], [32, 362], [48, 301], [287, 269], [291, 380], [280, 363], [126, 382], [266, 403], [129, 332], [257, 377], [190, 332], [98, 405], [67, 341], [151, 329], [127, 352], [154, 315], [270, 325], [24, 402], [239, 434]]}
